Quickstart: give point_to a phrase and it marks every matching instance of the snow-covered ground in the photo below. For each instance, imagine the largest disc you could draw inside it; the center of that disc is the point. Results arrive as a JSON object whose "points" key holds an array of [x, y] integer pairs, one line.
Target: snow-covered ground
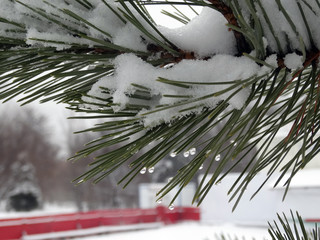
{"points": [[187, 231], [47, 209]]}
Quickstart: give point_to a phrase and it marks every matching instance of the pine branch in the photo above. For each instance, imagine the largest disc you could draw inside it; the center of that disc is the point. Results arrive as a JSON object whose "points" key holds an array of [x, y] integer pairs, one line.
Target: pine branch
{"points": [[172, 111]]}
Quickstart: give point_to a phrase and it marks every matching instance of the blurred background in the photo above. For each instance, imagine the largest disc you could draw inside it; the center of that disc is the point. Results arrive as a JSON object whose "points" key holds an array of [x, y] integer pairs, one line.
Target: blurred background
{"points": [[35, 143]]}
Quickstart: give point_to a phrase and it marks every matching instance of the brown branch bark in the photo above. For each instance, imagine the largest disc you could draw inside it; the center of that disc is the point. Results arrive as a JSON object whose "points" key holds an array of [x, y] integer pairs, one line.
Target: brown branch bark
{"points": [[227, 12]]}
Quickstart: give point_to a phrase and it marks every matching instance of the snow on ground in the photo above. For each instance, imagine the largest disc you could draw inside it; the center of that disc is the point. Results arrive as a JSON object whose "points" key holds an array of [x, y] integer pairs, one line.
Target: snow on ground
{"points": [[187, 231], [48, 209]]}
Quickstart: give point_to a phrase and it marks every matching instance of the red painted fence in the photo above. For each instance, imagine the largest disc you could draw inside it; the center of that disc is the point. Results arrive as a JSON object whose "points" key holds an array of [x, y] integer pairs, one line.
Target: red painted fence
{"points": [[15, 228]]}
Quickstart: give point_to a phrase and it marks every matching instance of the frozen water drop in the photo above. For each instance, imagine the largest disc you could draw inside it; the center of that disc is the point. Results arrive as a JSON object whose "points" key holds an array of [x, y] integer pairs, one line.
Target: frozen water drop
{"points": [[169, 65], [170, 179], [186, 154], [159, 201], [171, 207], [192, 151], [218, 158], [173, 154], [80, 181], [151, 169], [233, 142], [201, 167], [143, 170]]}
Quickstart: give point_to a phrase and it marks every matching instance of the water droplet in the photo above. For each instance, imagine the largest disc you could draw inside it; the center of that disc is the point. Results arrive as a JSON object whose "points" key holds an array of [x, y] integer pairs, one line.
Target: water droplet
{"points": [[170, 179], [173, 154], [151, 169], [186, 154], [233, 142], [169, 65], [143, 170], [159, 201], [218, 158], [192, 151], [208, 152], [81, 181], [201, 167], [171, 207]]}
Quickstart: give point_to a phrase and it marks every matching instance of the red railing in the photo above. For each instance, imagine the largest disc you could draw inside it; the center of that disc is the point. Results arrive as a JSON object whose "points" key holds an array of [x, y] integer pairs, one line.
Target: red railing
{"points": [[16, 228]]}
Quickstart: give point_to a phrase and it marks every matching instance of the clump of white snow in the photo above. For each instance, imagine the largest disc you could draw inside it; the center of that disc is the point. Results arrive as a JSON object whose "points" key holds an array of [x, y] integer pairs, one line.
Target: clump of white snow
{"points": [[103, 18], [206, 34], [281, 24], [272, 60], [293, 61], [131, 69], [129, 37]]}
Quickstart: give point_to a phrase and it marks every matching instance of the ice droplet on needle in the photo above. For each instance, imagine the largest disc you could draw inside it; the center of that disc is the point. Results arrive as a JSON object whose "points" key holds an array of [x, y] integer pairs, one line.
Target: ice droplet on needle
{"points": [[143, 170]]}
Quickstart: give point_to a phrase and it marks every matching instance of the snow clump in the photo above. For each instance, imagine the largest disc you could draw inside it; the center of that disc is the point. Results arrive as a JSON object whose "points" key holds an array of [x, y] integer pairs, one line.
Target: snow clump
{"points": [[205, 35], [293, 61], [131, 69]]}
